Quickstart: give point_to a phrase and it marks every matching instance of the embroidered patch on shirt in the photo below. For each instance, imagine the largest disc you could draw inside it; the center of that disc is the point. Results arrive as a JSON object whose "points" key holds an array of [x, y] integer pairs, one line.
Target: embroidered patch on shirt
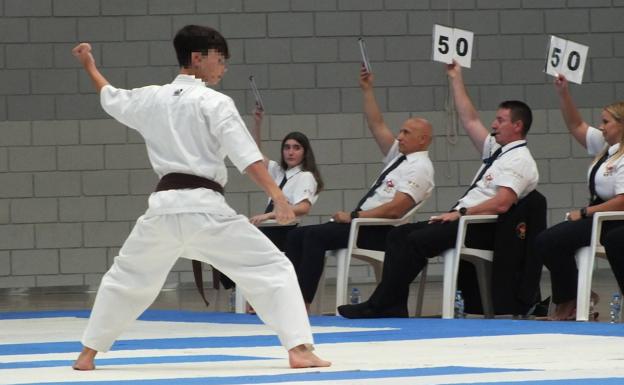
{"points": [[178, 92]]}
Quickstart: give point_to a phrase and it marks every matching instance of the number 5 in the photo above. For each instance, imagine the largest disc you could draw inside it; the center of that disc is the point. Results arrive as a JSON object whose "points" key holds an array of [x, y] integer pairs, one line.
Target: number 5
{"points": [[443, 46], [555, 57]]}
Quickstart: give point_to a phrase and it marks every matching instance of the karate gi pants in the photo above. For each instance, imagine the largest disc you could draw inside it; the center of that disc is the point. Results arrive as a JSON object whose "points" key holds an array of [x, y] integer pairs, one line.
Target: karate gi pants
{"points": [[230, 243]]}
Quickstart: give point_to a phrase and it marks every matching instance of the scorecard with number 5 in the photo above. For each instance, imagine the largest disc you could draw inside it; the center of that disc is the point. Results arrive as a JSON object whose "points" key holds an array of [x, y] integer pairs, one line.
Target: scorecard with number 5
{"points": [[452, 44], [567, 58]]}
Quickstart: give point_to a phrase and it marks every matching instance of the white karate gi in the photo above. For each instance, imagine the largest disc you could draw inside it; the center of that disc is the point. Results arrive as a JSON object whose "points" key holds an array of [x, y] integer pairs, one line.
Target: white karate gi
{"points": [[189, 128]]}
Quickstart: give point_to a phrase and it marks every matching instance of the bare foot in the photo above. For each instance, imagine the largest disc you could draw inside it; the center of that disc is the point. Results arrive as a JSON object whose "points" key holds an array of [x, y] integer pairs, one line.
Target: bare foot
{"points": [[564, 311], [85, 360], [307, 306], [302, 357]]}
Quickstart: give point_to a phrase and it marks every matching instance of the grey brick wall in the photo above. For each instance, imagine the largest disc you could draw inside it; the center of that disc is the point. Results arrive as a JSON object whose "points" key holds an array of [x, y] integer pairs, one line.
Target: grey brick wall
{"points": [[73, 181]]}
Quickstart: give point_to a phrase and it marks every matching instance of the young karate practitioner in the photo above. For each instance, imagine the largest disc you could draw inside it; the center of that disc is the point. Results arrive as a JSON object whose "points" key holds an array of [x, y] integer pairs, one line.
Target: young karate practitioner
{"points": [[189, 129]]}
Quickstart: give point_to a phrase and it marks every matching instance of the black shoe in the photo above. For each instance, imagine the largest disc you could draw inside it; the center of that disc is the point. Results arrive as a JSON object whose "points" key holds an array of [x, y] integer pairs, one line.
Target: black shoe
{"points": [[541, 308], [364, 310]]}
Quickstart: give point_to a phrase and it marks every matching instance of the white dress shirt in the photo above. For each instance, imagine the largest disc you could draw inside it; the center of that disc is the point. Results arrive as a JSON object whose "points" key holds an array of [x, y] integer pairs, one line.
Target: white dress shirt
{"points": [[514, 168], [609, 178], [414, 177], [300, 184]]}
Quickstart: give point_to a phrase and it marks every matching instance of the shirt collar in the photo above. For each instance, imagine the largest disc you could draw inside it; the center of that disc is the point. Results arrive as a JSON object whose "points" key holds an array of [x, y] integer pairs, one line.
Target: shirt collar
{"points": [[292, 171], [188, 79], [416, 155], [509, 146], [613, 149]]}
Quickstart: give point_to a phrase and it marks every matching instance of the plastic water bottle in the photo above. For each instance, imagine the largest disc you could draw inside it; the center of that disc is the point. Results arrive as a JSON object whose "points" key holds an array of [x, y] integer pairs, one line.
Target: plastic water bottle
{"points": [[459, 305], [356, 297], [616, 308], [233, 300]]}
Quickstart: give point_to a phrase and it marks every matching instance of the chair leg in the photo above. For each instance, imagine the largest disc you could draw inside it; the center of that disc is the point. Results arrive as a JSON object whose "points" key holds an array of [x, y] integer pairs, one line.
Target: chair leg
{"points": [[484, 278], [450, 283], [421, 291], [585, 264], [318, 297], [342, 277], [239, 304]]}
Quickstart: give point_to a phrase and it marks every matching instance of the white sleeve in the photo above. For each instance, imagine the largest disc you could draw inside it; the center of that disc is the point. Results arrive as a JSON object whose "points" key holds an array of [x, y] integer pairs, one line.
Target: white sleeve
{"points": [[595, 141], [123, 104], [228, 126], [416, 181], [619, 178], [305, 189]]}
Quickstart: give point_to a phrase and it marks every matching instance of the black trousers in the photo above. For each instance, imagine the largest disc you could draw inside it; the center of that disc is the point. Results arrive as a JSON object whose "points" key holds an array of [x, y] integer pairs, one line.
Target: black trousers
{"points": [[306, 247], [277, 234], [408, 250], [557, 246]]}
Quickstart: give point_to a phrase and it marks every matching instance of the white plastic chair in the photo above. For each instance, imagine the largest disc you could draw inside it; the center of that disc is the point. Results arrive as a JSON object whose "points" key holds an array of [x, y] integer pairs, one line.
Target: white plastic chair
{"points": [[374, 257], [482, 260], [240, 301], [585, 257]]}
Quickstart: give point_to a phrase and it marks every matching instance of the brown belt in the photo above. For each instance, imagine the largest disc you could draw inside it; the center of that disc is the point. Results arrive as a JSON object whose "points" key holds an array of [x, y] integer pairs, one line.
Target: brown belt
{"points": [[178, 181]]}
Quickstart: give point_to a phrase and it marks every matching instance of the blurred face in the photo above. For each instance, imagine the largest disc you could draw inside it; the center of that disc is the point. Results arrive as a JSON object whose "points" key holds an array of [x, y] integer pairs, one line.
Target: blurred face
{"points": [[506, 131], [292, 152], [210, 67], [611, 128]]}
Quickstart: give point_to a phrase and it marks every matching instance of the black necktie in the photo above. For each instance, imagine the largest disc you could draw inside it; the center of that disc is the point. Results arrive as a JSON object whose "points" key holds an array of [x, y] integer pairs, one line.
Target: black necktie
{"points": [[269, 207], [379, 181], [487, 163], [593, 197]]}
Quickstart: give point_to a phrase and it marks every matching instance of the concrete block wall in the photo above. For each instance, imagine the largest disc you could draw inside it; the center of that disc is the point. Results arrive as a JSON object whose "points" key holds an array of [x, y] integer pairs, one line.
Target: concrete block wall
{"points": [[73, 181]]}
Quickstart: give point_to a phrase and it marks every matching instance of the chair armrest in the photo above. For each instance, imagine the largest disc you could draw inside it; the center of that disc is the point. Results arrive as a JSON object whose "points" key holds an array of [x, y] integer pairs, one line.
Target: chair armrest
{"points": [[273, 223], [466, 220], [597, 220], [470, 219], [608, 216]]}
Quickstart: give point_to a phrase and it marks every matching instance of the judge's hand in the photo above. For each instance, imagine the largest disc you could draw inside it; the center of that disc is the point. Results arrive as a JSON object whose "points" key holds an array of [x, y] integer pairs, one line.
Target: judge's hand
{"points": [[453, 70], [258, 114], [446, 217], [561, 84], [82, 52], [341, 217], [366, 78], [257, 219]]}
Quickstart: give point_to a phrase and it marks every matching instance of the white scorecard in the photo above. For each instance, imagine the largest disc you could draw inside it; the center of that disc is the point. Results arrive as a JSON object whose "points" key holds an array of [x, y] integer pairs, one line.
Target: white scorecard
{"points": [[452, 44], [364, 54], [567, 58], [256, 93]]}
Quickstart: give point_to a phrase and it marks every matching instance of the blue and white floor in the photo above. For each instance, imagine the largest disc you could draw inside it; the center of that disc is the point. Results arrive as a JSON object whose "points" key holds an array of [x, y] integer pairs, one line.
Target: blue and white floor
{"points": [[192, 348]]}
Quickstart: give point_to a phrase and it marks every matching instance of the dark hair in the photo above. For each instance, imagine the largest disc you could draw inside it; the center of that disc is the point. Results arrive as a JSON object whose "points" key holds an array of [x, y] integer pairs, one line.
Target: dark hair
{"points": [[519, 111], [195, 38], [308, 163]]}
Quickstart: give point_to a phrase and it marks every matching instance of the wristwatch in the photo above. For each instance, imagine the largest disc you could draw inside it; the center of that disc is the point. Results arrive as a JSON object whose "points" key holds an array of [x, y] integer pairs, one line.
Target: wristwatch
{"points": [[583, 212], [462, 211], [355, 214]]}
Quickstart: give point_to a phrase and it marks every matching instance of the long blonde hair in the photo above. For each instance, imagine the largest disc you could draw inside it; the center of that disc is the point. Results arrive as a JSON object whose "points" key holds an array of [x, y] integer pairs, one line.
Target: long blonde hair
{"points": [[617, 111]]}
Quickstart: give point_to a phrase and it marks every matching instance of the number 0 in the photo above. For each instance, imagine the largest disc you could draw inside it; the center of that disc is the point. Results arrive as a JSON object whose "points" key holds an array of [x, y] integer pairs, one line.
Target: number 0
{"points": [[461, 46], [574, 61]]}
